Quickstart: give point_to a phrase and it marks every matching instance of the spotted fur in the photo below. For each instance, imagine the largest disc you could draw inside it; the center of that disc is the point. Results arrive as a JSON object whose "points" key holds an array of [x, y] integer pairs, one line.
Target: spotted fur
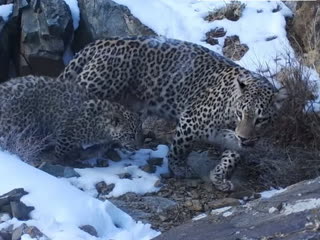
{"points": [[203, 91], [43, 106]]}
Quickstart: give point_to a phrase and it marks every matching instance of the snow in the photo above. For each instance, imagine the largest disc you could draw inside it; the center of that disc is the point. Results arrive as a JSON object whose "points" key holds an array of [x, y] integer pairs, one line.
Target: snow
{"points": [[5, 11], [272, 192], [141, 181], [60, 208], [184, 20], [260, 22], [75, 12], [220, 210], [199, 217], [301, 205]]}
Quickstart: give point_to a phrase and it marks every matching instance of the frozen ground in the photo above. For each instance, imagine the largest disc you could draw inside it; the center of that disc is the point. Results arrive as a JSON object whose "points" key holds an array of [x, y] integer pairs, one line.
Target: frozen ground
{"points": [[60, 208]]}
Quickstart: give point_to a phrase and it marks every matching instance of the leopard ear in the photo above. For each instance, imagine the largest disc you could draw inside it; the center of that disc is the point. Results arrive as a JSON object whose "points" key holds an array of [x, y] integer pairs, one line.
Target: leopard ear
{"points": [[279, 97]]}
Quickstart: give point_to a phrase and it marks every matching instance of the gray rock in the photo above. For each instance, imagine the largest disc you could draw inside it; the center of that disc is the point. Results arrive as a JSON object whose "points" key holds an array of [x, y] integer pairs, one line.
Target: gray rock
{"points": [[144, 208], [13, 195], [148, 168], [103, 188], [292, 214], [10, 203], [46, 30], [58, 170], [89, 229], [104, 19], [155, 161], [32, 231], [4, 235], [125, 176], [112, 155], [224, 202], [102, 162], [233, 48], [20, 211]]}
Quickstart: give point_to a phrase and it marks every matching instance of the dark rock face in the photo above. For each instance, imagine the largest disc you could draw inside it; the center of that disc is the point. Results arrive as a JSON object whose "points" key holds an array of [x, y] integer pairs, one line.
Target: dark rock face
{"points": [[292, 214], [46, 30], [105, 18]]}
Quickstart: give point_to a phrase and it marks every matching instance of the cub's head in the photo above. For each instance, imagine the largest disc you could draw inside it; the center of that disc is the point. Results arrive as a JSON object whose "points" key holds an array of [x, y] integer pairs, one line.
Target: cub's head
{"points": [[257, 105], [123, 126], [116, 124]]}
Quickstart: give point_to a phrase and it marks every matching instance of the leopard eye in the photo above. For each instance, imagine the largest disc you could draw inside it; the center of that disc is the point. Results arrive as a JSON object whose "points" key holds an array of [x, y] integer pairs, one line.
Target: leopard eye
{"points": [[239, 115]]}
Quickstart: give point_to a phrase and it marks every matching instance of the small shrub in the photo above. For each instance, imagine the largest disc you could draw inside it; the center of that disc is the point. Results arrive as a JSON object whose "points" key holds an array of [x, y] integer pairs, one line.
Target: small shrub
{"points": [[28, 145], [232, 11]]}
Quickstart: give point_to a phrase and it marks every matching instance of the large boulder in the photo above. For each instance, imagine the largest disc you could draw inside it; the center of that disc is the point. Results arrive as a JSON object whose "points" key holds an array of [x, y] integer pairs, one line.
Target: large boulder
{"points": [[105, 18], [291, 214], [46, 31], [306, 30]]}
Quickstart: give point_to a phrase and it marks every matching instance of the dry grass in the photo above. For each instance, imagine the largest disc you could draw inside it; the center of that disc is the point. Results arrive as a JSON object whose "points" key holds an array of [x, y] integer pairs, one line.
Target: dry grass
{"points": [[290, 151], [26, 144], [232, 11]]}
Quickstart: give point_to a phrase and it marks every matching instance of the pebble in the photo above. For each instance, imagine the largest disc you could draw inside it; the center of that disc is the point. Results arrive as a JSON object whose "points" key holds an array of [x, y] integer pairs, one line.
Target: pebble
{"points": [[102, 162], [148, 168], [125, 176], [89, 229], [104, 188], [155, 161], [224, 202]]}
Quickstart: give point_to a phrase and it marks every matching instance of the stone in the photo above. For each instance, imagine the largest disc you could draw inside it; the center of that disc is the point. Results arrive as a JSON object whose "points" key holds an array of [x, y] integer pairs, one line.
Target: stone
{"points": [[296, 219], [102, 162], [158, 183], [112, 155], [5, 236], [32, 231], [233, 48], [225, 202], [89, 229], [155, 161], [213, 34], [158, 204], [104, 188], [196, 205], [58, 170], [13, 195], [46, 31], [148, 168], [20, 211], [125, 176], [105, 19]]}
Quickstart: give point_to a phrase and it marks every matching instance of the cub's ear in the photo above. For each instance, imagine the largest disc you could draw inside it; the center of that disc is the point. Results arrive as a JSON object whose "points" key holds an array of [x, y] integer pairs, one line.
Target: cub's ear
{"points": [[279, 97]]}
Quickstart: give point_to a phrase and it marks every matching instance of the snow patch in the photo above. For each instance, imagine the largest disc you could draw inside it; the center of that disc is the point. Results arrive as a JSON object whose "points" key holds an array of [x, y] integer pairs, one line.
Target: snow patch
{"points": [[60, 208], [5, 11], [272, 210], [141, 182], [227, 214], [301, 205], [75, 12], [272, 192], [220, 210], [200, 216]]}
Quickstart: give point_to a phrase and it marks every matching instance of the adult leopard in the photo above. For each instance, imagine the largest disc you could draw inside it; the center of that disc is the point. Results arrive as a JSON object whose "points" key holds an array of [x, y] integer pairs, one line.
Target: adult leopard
{"points": [[208, 95]]}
